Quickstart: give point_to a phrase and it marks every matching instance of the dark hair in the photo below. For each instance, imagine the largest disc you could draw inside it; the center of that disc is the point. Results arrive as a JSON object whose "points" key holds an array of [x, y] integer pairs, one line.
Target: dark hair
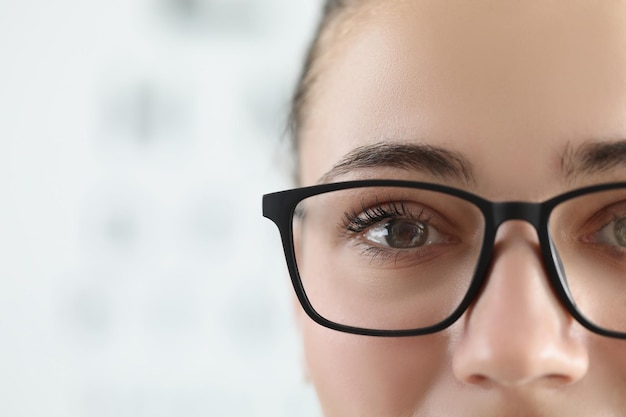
{"points": [[308, 76]]}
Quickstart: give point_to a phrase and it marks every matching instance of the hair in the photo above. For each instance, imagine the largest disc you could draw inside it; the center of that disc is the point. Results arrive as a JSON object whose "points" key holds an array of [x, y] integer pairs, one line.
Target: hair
{"points": [[330, 17]]}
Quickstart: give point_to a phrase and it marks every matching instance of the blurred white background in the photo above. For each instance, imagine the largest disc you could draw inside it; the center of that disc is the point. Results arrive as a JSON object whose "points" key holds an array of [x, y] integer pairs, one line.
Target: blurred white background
{"points": [[137, 276]]}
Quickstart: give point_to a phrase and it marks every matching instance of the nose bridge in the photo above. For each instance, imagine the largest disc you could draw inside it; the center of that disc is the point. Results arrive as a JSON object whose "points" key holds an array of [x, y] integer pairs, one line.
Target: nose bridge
{"points": [[530, 212]]}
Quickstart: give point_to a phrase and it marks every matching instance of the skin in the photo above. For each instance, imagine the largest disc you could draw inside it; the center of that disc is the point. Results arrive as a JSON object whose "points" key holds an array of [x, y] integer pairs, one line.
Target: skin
{"points": [[513, 86]]}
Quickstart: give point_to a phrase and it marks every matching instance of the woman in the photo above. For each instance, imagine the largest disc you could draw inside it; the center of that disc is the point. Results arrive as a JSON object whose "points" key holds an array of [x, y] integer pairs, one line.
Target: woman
{"points": [[423, 297]]}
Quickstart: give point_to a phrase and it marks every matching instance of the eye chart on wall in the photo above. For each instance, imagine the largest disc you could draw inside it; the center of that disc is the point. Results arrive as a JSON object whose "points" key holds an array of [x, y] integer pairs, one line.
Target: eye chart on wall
{"points": [[137, 276]]}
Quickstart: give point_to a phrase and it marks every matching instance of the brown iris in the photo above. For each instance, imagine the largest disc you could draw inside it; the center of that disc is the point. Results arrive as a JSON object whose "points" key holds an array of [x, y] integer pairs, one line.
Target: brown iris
{"points": [[620, 231], [402, 234]]}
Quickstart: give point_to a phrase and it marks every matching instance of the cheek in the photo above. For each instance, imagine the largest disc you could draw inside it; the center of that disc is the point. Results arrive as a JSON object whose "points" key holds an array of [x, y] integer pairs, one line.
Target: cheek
{"points": [[608, 363], [369, 376]]}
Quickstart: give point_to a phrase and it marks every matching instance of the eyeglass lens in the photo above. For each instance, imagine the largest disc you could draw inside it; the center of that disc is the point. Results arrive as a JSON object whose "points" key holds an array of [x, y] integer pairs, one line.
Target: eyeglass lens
{"points": [[589, 235]]}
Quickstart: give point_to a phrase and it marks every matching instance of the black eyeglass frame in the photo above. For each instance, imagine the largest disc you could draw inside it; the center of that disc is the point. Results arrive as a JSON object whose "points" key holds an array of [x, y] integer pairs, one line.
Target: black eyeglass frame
{"points": [[280, 207]]}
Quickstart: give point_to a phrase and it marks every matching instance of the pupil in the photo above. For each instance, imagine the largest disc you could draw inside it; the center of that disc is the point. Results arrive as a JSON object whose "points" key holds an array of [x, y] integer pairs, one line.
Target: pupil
{"points": [[403, 234], [620, 231]]}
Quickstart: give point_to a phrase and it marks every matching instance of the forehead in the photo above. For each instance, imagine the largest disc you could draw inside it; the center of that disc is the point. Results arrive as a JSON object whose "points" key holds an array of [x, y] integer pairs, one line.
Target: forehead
{"points": [[509, 81]]}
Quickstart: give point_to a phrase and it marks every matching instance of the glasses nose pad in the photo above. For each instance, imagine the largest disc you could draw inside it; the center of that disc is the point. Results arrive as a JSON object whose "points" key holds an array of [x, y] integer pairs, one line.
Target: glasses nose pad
{"points": [[558, 263]]}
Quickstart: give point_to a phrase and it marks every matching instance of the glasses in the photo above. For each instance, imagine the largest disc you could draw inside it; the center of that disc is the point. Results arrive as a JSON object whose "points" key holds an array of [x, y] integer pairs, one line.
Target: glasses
{"points": [[400, 258]]}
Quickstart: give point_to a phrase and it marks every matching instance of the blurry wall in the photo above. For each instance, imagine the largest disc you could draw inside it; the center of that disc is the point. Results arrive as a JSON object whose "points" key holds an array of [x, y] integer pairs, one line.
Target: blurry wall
{"points": [[137, 276]]}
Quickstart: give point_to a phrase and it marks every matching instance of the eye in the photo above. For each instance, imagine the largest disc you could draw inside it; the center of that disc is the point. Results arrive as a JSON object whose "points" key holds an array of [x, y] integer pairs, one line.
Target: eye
{"points": [[405, 234], [614, 233]]}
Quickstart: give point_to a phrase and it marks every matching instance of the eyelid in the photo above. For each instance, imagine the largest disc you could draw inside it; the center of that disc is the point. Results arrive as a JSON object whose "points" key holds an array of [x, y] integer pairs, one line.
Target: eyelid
{"points": [[605, 216]]}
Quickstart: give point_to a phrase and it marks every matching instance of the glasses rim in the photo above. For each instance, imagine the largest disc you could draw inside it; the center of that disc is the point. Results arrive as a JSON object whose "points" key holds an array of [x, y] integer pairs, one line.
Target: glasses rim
{"points": [[280, 207]]}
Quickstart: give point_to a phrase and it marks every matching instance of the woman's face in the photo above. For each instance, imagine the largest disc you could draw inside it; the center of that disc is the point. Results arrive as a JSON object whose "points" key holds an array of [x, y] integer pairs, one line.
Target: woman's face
{"points": [[522, 90]]}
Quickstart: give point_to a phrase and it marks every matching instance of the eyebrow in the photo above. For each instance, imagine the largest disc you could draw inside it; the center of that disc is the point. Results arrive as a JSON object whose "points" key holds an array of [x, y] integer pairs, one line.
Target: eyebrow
{"points": [[593, 158], [587, 159], [437, 162]]}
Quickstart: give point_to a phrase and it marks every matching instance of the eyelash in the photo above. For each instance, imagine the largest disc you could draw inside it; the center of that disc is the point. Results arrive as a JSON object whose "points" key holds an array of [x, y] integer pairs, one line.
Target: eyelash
{"points": [[357, 223]]}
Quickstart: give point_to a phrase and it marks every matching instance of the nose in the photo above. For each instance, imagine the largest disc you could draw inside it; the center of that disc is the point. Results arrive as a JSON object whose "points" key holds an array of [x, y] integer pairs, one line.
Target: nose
{"points": [[517, 333]]}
